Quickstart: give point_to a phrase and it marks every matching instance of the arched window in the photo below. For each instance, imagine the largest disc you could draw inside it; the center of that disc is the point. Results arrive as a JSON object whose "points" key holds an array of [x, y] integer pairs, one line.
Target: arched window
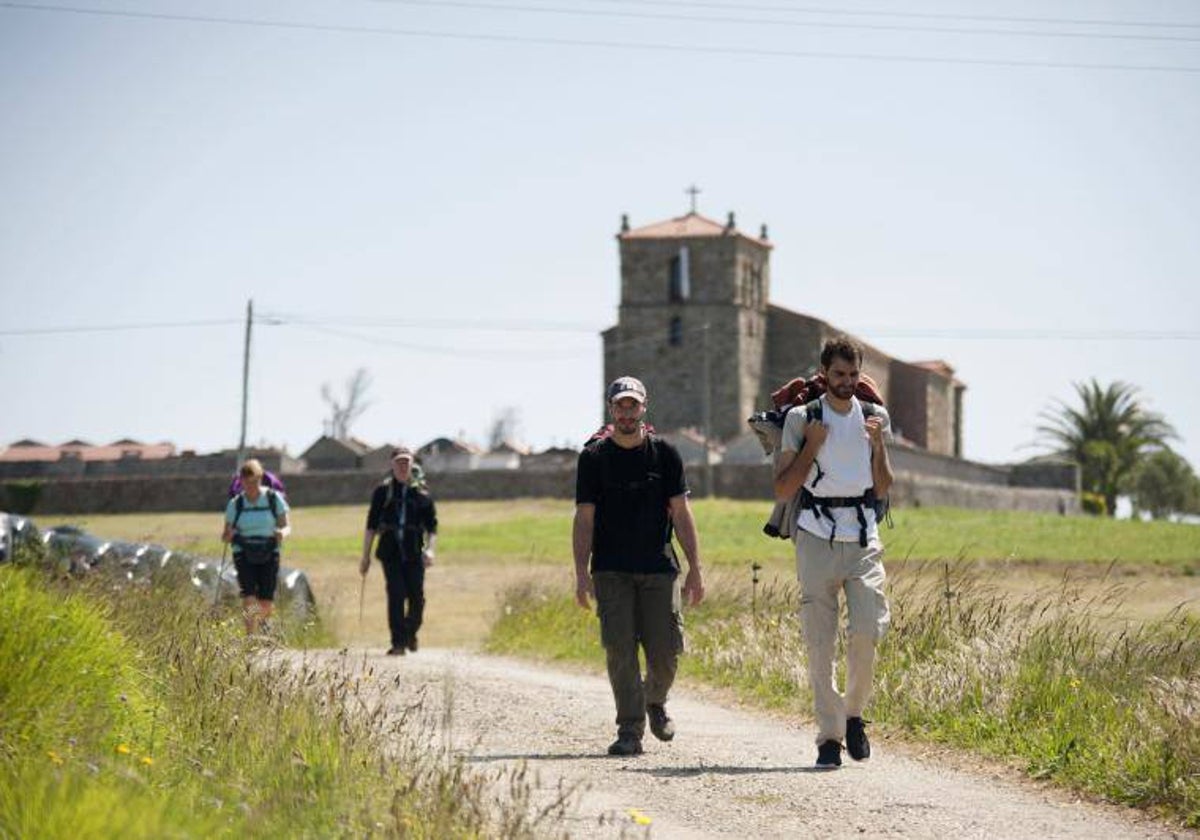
{"points": [[679, 288], [675, 332]]}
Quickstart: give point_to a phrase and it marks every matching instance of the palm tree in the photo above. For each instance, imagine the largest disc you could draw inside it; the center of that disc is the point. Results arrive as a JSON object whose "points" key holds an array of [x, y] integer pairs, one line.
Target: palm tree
{"points": [[1108, 437]]}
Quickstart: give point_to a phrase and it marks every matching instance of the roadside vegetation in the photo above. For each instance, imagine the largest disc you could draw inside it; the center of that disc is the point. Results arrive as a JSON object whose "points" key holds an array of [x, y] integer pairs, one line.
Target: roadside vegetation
{"points": [[1054, 677], [1011, 633], [133, 712], [1040, 680]]}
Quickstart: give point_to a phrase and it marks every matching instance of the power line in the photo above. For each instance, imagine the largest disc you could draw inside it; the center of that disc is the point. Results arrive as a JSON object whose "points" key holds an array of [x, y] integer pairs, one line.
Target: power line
{"points": [[436, 323], [559, 354], [90, 328], [1035, 334], [331, 323], [599, 44], [816, 10], [881, 27]]}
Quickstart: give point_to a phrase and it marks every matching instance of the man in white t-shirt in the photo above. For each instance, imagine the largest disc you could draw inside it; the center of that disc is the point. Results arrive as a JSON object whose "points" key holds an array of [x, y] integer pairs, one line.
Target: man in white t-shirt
{"points": [[834, 455]]}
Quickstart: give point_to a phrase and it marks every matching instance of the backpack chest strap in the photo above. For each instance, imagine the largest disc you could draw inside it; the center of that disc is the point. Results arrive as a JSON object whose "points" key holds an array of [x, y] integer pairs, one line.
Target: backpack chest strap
{"points": [[824, 505]]}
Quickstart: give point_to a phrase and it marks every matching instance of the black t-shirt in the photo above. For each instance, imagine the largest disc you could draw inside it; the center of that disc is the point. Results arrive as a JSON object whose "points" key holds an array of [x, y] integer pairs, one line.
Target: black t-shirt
{"points": [[417, 517], [630, 489]]}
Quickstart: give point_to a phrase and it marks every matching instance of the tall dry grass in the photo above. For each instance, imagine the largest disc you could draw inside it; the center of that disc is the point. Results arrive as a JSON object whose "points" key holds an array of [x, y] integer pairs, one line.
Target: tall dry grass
{"points": [[135, 712], [1052, 680]]}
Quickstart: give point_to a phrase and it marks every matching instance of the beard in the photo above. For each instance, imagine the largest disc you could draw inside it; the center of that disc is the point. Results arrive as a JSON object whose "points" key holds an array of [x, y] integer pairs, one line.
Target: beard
{"points": [[842, 392], [626, 427]]}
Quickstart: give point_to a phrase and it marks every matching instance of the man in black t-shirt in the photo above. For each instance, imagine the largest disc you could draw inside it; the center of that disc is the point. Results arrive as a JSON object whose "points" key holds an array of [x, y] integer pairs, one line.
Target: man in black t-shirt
{"points": [[630, 494], [404, 517]]}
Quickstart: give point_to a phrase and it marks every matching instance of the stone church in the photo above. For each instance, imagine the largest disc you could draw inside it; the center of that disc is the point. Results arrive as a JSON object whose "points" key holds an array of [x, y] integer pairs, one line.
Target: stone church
{"points": [[696, 324]]}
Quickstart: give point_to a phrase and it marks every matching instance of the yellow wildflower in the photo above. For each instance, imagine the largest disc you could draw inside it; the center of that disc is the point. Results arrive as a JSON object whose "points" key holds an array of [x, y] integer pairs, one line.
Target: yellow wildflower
{"points": [[147, 760], [55, 757], [123, 749], [638, 817]]}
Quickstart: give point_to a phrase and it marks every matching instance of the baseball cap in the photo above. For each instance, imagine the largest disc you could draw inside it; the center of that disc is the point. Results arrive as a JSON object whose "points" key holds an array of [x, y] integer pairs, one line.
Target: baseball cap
{"points": [[627, 386], [402, 452]]}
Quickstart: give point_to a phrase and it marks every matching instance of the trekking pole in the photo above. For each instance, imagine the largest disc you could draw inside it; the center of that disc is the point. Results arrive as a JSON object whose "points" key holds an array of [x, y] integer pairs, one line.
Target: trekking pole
{"points": [[220, 574], [754, 567], [362, 594]]}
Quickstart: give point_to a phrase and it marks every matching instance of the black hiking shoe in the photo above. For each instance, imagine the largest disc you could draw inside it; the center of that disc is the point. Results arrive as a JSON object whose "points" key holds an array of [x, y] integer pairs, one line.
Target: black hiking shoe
{"points": [[660, 724], [829, 755], [625, 745], [856, 739], [395, 651], [412, 644]]}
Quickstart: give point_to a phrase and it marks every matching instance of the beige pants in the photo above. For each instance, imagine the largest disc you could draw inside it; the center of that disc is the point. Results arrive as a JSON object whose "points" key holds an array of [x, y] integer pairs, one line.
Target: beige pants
{"points": [[825, 570]]}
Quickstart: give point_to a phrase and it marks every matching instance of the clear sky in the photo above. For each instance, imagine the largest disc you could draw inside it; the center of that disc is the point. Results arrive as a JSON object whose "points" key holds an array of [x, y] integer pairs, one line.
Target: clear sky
{"points": [[430, 191]]}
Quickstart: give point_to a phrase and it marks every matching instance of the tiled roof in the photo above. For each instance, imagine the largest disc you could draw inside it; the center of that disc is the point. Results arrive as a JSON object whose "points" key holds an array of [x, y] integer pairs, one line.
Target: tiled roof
{"points": [[936, 365], [26, 451], [443, 445], [23, 451], [689, 226], [113, 452]]}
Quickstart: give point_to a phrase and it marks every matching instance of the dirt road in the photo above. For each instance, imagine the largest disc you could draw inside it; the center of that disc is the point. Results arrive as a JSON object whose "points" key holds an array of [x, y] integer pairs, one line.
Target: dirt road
{"points": [[728, 773]]}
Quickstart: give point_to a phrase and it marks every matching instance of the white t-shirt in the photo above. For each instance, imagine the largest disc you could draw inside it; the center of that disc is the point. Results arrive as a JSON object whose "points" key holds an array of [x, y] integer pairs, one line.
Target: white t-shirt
{"points": [[845, 467]]}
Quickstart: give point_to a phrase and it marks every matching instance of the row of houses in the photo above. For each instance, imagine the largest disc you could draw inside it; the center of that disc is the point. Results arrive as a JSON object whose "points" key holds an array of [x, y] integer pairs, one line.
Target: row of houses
{"points": [[128, 457]]}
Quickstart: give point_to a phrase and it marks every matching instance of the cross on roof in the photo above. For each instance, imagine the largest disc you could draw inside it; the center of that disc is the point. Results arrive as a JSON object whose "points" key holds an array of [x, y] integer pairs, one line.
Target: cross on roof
{"points": [[693, 191]]}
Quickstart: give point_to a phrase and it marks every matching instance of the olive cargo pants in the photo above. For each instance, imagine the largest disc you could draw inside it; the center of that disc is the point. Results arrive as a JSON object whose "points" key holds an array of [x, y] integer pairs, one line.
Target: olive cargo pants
{"points": [[635, 610]]}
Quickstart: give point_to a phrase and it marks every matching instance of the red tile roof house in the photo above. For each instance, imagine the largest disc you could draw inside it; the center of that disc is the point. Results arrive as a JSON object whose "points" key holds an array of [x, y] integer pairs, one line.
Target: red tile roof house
{"points": [[78, 457]]}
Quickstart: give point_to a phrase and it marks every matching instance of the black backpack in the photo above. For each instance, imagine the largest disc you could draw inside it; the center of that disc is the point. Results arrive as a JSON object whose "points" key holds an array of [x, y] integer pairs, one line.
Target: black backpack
{"points": [[257, 550]]}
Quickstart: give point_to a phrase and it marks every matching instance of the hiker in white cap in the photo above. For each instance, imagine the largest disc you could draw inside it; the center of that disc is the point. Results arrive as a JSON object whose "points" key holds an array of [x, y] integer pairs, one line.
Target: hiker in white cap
{"points": [[404, 517], [630, 494]]}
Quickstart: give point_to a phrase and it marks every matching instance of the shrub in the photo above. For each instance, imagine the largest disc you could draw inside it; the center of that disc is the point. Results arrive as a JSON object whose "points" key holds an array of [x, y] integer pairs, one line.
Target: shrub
{"points": [[21, 496], [1093, 504]]}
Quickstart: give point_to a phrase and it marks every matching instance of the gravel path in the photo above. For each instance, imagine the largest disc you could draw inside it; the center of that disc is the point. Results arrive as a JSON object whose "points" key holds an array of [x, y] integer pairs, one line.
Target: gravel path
{"points": [[728, 773]]}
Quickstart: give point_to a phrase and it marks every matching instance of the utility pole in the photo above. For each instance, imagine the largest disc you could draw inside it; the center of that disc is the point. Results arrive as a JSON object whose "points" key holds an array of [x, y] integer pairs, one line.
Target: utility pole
{"points": [[245, 379], [706, 396]]}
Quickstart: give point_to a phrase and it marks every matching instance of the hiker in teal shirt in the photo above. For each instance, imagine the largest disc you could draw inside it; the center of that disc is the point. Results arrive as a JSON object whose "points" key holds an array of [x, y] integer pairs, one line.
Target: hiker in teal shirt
{"points": [[256, 523]]}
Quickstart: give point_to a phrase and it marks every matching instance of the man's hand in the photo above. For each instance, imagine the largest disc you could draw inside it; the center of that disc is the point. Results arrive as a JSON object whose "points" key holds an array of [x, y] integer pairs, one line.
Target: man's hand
{"points": [[693, 587], [874, 430], [583, 590], [427, 558], [815, 434], [364, 565], [280, 533]]}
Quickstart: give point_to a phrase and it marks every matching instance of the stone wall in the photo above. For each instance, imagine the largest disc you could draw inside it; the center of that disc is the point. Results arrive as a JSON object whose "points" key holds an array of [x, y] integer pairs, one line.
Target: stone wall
{"points": [[738, 481], [177, 465]]}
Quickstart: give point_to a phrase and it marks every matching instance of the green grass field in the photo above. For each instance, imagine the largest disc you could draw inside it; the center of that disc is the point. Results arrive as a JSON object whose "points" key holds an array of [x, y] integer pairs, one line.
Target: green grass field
{"points": [[486, 546], [539, 530], [1050, 640]]}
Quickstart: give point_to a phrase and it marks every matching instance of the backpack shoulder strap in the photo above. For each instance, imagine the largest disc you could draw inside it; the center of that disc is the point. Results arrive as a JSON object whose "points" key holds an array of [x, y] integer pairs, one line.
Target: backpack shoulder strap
{"points": [[239, 504], [869, 409], [272, 502], [653, 443], [814, 411]]}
